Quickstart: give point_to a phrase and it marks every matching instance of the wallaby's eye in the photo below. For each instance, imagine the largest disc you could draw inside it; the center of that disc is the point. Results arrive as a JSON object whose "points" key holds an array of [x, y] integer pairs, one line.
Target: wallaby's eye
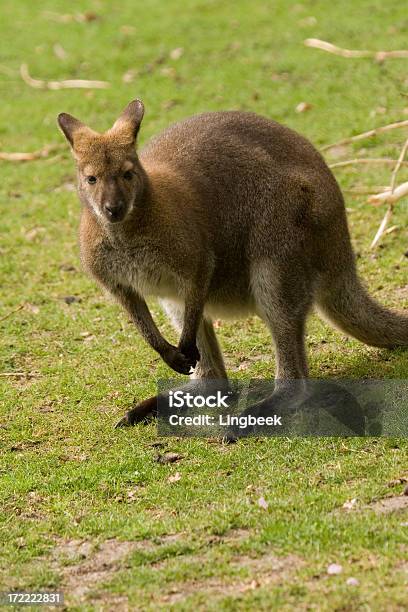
{"points": [[91, 180], [128, 175]]}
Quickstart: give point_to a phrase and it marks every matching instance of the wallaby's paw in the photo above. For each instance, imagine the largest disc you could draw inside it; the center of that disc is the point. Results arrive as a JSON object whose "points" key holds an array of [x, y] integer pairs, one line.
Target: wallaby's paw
{"points": [[192, 354], [141, 413], [178, 361], [190, 351]]}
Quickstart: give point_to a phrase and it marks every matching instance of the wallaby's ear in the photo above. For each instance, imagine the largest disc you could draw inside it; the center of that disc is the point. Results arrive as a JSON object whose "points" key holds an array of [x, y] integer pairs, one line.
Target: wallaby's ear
{"points": [[69, 125], [128, 123]]}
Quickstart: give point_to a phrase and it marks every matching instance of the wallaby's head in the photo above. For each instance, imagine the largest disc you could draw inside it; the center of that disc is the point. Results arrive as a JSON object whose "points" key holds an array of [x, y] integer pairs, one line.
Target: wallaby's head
{"points": [[110, 177]]}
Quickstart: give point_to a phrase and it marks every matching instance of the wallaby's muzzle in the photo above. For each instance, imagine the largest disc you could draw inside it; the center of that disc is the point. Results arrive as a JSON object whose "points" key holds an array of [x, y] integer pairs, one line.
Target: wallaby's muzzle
{"points": [[115, 212]]}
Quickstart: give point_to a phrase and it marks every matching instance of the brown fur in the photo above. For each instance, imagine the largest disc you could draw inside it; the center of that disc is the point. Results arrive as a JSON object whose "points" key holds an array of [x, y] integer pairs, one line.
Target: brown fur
{"points": [[225, 213]]}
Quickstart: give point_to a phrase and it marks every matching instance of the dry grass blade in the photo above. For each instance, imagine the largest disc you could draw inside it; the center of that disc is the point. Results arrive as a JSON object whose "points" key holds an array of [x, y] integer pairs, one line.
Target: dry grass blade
{"points": [[316, 43], [373, 160], [67, 84], [6, 70], [369, 134], [380, 56], [364, 190], [12, 374], [6, 316], [23, 157]]}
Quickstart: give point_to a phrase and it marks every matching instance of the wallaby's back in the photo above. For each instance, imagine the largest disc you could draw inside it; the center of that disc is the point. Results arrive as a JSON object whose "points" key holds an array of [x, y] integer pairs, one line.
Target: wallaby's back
{"points": [[241, 155], [262, 188]]}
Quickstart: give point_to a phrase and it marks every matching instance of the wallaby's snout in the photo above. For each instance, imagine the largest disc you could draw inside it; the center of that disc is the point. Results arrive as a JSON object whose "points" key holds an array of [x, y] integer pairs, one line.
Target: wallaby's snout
{"points": [[110, 177], [115, 212]]}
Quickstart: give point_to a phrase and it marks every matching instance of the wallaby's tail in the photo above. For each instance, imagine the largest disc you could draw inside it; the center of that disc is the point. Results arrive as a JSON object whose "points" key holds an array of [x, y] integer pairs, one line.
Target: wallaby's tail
{"points": [[345, 303]]}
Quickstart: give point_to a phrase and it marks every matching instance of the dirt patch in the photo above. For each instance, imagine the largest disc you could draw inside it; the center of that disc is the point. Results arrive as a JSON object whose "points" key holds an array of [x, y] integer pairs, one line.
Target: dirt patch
{"points": [[106, 602], [70, 550], [231, 537], [402, 292], [84, 566], [170, 538], [390, 504], [262, 571], [386, 505], [91, 566]]}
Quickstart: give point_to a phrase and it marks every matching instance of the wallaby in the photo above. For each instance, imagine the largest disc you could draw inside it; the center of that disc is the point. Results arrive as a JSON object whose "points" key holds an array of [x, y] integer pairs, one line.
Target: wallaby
{"points": [[222, 214]]}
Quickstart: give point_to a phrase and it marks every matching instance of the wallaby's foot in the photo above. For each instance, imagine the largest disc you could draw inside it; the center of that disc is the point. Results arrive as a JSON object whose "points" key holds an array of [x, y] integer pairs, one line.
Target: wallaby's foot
{"points": [[319, 408], [279, 407], [179, 361], [140, 413]]}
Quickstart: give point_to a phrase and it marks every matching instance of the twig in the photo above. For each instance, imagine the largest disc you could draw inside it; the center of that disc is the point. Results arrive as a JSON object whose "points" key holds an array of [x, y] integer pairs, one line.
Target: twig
{"points": [[398, 165], [68, 17], [382, 227], [68, 84], [23, 157], [12, 312], [390, 197], [380, 56], [369, 134], [373, 160]]}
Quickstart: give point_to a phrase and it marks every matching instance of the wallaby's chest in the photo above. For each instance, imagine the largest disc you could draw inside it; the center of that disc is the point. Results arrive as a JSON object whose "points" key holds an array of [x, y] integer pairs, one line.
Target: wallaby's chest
{"points": [[140, 266]]}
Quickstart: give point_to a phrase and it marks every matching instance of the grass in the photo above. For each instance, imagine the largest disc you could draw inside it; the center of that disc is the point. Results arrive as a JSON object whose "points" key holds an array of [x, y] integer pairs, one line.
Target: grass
{"points": [[66, 476]]}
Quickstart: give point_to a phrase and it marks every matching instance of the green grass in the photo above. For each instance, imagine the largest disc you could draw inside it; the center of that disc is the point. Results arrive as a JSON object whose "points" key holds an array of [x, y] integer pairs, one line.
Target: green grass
{"points": [[65, 473]]}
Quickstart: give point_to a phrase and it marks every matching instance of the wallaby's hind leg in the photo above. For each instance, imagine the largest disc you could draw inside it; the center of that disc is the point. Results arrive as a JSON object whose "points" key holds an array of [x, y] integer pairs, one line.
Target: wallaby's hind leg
{"points": [[283, 303], [211, 364], [282, 300]]}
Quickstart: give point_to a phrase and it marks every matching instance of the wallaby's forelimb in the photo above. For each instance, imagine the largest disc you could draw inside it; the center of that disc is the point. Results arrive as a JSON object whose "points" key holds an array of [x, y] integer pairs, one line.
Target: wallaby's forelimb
{"points": [[141, 316], [211, 364], [193, 311]]}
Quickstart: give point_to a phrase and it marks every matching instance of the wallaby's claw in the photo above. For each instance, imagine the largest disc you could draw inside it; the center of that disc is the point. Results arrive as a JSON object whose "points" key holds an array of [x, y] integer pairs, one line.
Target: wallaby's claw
{"points": [[123, 422], [229, 438]]}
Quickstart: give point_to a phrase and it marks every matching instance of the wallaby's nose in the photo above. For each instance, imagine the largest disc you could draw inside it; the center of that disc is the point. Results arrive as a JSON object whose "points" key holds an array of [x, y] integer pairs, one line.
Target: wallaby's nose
{"points": [[114, 211]]}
